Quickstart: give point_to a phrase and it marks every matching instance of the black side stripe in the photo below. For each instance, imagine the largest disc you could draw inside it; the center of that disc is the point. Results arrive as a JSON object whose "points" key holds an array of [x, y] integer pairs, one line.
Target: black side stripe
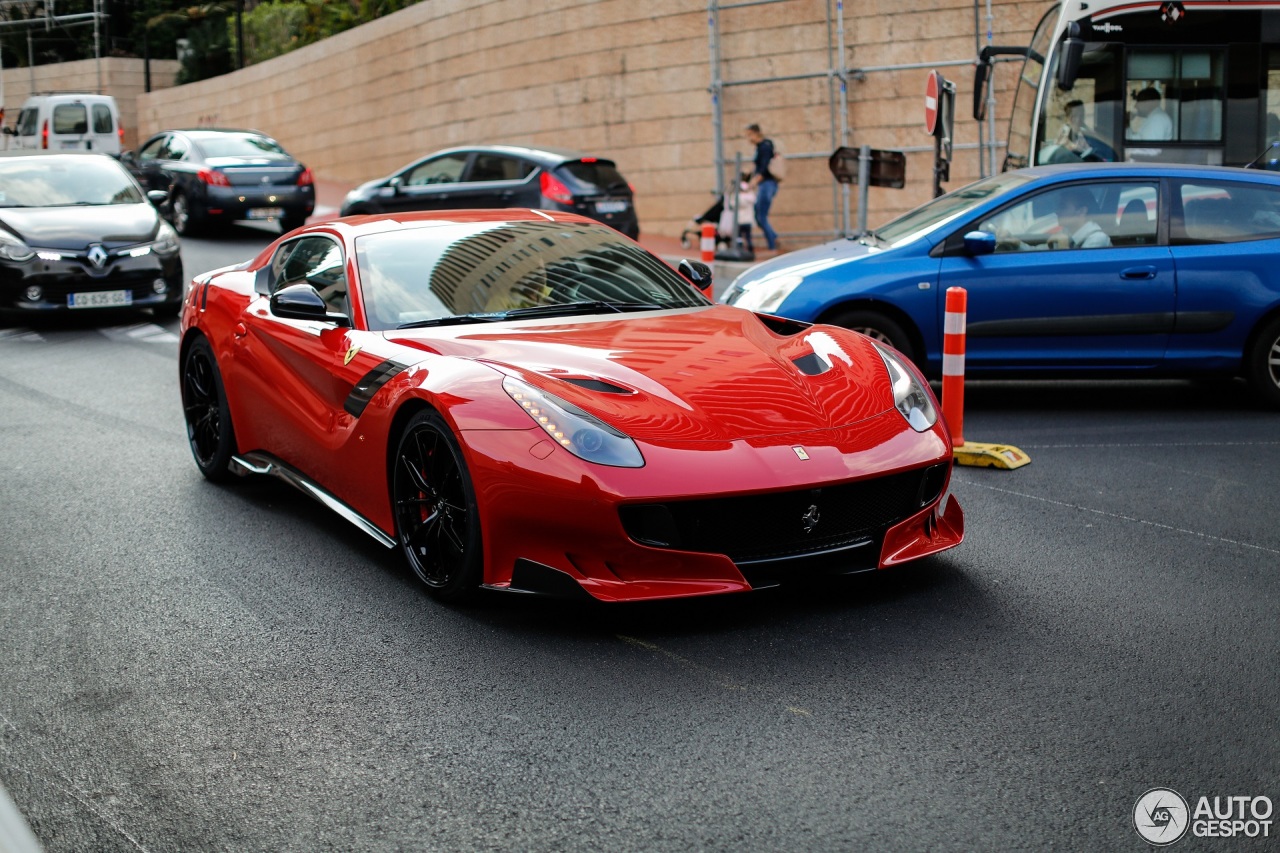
{"points": [[369, 384]]}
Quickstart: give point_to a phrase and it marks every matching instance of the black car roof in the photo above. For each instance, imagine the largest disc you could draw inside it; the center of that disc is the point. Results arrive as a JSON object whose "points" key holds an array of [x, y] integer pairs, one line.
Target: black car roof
{"points": [[543, 155]]}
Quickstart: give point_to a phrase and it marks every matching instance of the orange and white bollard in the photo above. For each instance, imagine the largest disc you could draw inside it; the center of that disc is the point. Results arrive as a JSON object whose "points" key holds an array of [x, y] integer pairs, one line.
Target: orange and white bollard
{"points": [[708, 242], [970, 453], [953, 361]]}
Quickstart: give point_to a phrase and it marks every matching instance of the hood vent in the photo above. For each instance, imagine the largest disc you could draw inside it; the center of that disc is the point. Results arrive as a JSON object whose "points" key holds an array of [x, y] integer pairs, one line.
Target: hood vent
{"points": [[812, 364], [781, 325], [596, 385]]}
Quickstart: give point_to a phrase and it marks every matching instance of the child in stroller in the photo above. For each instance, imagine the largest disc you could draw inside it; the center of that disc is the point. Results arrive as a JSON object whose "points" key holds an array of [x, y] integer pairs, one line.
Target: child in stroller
{"points": [[720, 213]]}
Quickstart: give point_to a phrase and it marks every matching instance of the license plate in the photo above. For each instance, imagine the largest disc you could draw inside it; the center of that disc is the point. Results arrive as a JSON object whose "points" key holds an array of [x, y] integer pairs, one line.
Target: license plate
{"points": [[610, 206], [265, 213], [100, 299]]}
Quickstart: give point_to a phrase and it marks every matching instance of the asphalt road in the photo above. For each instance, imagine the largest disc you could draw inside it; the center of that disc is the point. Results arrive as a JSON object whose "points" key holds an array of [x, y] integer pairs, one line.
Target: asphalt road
{"points": [[191, 667]]}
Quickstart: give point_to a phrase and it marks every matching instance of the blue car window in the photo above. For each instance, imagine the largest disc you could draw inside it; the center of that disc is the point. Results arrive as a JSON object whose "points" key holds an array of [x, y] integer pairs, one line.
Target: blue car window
{"points": [[1079, 216], [1225, 212]]}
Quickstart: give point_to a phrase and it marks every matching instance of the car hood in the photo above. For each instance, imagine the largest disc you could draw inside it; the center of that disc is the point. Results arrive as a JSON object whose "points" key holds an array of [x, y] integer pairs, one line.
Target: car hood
{"points": [[76, 227], [707, 374], [807, 261]]}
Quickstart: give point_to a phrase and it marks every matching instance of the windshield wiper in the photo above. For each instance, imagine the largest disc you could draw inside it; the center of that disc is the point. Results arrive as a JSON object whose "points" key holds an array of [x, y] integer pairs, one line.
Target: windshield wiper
{"points": [[568, 308], [592, 306], [455, 320]]}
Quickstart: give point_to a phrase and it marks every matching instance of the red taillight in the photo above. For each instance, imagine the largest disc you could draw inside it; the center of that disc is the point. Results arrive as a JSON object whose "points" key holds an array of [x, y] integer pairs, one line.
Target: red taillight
{"points": [[120, 134], [212, 178], [588, 159], [553, 189], [306, 179], [631, 187], [44, 135]]}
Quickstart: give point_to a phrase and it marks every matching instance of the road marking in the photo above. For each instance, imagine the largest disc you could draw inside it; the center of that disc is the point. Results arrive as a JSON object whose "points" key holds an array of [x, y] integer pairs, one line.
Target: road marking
{"points": [[148, 332], [19, 334], [1120, 517]]}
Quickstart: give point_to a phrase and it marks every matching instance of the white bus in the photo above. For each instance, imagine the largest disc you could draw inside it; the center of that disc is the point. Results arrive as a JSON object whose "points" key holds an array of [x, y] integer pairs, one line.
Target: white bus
{"points": [[1195, 81]]}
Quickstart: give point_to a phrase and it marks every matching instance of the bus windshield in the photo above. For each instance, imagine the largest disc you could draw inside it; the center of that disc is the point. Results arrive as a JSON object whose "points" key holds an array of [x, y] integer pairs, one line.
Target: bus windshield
{"points": [[1150, 85]]}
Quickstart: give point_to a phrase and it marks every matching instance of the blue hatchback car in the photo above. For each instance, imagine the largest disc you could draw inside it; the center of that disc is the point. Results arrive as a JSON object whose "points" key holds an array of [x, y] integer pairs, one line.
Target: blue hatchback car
{"points": [[1108, 270]]}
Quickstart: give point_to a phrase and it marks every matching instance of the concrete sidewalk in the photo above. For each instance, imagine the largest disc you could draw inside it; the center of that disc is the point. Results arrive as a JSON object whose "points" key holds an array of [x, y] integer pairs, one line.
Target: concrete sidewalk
{"points": [[329, 196]]}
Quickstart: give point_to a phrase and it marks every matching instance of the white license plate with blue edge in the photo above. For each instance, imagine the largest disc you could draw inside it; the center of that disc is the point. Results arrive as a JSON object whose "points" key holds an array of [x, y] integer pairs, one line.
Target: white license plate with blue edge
{"points": [[100, 299]]}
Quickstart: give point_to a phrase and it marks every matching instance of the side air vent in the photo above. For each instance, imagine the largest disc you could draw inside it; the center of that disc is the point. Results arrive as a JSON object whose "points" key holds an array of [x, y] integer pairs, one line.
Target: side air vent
{"points": [[812, 364], [781, 325], [597, 385]]}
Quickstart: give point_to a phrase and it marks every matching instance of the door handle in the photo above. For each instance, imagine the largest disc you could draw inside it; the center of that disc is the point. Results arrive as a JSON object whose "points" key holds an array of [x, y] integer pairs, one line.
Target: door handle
{"points": [[1138, 273]]}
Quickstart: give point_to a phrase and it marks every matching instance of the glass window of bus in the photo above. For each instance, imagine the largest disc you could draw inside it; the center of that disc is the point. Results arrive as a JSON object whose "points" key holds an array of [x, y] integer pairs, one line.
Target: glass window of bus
{"points": [[1018, 154], [1175, 95], [1224, 212], [1272, 106], [1083, 122]]}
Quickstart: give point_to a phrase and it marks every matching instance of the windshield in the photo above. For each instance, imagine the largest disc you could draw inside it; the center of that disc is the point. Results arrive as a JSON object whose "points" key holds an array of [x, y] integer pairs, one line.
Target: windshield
{"points": [[59, 181], [1018, 154], [483, 270], [240, 145], [943, 209]]}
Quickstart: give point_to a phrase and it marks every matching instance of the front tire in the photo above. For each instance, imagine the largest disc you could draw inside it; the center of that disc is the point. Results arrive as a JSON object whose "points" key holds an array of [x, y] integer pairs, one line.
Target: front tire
{"points": [[437, 520], [184, 217], [1262, 365], [878, 327], [204, 402]]}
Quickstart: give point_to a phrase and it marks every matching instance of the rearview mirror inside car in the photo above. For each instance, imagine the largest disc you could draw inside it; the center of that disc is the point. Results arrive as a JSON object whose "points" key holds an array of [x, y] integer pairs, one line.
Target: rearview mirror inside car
{"points": [[698, 273]]}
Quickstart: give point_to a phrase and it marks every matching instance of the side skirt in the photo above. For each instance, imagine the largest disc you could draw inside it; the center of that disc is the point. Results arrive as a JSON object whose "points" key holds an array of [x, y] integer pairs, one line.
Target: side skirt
{"points": [[265, 463]]}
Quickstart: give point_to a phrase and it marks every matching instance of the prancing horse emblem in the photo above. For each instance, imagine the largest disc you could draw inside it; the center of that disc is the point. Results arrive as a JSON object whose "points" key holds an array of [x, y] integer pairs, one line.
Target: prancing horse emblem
{"points": [[810, 518], [351, 353], [800, 452]]}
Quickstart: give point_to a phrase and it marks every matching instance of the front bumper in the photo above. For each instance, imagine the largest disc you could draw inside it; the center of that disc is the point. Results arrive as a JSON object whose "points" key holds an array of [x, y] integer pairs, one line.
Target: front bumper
{"points": [[57, 280]]}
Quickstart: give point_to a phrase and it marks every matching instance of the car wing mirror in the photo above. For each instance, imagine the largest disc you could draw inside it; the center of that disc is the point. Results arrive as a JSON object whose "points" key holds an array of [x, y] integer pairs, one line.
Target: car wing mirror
{"points": [[977, 243], [396, 184], [157, 197], [303, 302], [698, 274]]}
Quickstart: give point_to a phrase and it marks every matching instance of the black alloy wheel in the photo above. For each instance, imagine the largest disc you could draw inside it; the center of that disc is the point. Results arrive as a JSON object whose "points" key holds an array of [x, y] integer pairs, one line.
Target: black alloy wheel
{"points": [[204, 402], [181, 215], [437, 522], [1262, 364], [878, 327]]}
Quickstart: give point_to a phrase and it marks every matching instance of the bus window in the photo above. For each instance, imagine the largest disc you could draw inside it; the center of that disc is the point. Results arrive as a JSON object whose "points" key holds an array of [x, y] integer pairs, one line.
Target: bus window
{"points": [[1175, 95], [1083, 123]]}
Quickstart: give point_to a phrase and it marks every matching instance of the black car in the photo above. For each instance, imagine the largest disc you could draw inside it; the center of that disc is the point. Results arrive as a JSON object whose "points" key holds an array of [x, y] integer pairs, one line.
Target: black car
{"points": [[76, 231], [214, 175], [504, 176]]}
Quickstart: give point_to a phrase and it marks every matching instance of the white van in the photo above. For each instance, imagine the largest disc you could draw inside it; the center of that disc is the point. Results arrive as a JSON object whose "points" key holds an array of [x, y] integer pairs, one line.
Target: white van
{"points": [[68, 122]]}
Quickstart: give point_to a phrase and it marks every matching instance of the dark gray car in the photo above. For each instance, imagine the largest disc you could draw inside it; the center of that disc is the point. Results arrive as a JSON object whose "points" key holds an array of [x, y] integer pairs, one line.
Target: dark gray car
{"points": [[501, 176]]}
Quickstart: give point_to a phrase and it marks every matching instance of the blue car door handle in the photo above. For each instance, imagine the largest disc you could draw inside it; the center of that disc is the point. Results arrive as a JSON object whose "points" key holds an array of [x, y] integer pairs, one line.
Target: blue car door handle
{"points": [[1138, 273]]}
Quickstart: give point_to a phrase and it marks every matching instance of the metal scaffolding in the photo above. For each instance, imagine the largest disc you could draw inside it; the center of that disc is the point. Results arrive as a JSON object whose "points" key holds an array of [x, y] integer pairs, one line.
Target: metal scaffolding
{"points": [[838, 74]]}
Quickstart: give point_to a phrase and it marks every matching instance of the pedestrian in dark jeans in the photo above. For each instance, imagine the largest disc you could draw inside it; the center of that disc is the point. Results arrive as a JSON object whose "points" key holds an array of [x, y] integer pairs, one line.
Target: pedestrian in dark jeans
{"points": [[765, 182]]}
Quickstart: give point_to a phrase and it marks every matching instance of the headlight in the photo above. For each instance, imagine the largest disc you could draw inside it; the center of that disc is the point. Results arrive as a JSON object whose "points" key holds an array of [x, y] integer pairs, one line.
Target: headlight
{"points": [[909, 394], [166, 240], [13, 249], [764, 295], [581, 433]]}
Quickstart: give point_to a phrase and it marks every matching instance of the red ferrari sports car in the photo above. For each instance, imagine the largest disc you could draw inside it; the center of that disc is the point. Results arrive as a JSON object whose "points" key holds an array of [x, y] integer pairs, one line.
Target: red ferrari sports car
{"points": [[531, 402]]}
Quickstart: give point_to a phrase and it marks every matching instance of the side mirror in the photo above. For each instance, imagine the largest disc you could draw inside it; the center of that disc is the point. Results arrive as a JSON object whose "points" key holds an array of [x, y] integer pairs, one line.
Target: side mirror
{"points": [[396, 183], [9, 131], [1070, 56], [698, 274], [977, 243], [302, 302], [157, 197], [127, 157]]}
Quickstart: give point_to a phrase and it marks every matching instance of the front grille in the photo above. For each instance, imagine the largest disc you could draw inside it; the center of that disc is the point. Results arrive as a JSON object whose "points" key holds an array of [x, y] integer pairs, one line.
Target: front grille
{"points": [[782, 525], [138, 282]]}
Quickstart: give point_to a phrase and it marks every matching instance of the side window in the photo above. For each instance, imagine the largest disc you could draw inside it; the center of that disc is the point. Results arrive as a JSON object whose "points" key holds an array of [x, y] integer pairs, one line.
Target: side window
{"points": [[151, 150], [492, 167], [102, 121], [175, 149], [316, 261], [1224, 212], [1079, 216], [27, 122], [70, 118], [441, 170]]}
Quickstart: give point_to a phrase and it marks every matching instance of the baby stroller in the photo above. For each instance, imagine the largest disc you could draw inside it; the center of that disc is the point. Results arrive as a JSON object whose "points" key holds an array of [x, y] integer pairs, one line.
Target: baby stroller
{"points": [[692, 234]]}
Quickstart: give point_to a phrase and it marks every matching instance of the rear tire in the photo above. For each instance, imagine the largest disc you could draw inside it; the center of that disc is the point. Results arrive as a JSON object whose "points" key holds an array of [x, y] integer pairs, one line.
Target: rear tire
{"points": [[437, 520], [204, 402], [1262, 365], [878, 327], [185, 219]]}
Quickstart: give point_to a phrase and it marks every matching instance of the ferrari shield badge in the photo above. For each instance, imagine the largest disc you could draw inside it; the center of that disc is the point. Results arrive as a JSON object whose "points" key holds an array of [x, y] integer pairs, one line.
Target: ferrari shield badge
{"points": [[351, 353], [801, 453]]}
